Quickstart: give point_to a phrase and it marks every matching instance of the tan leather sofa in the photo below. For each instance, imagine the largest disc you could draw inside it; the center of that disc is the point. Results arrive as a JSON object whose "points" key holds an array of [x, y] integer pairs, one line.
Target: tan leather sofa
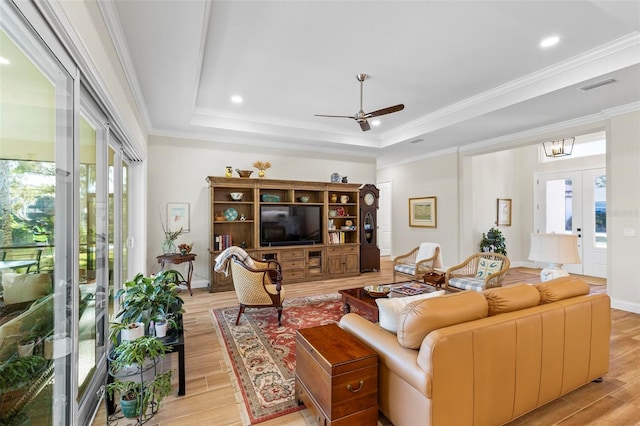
{"points": [[487, 358]]}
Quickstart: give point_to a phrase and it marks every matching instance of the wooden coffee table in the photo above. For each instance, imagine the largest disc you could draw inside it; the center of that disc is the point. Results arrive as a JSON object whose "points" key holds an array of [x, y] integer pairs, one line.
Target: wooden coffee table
{"points": [[365, 305]]}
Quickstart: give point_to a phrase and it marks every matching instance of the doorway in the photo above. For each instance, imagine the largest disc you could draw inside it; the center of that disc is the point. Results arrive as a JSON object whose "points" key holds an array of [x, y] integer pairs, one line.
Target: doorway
{"points": [[574, 202], [384, 218]]}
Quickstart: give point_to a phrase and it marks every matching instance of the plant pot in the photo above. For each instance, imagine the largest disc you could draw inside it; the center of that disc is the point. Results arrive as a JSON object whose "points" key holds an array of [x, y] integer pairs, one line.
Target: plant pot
{"points": [[129, 408], [26, 349], [161, 328], [132, 333]]}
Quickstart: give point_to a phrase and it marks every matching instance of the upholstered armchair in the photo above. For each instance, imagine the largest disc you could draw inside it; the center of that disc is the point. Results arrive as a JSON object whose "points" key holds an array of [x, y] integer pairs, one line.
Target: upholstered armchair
{"points": [[418, 261], [258, 285], [478, 272]]}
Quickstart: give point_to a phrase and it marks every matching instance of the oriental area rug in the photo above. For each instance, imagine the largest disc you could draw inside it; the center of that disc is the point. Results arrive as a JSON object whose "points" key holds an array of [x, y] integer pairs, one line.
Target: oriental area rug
{"points": [[261, 355]]}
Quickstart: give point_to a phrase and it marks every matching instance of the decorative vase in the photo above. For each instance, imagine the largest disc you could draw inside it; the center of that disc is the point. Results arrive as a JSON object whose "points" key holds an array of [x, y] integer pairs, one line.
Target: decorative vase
{"points": [[169, 247], [261, 173]]}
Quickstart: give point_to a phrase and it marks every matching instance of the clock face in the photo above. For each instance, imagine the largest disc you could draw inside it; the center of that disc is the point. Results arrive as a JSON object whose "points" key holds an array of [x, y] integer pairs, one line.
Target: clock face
{"points": [[369, 199]]}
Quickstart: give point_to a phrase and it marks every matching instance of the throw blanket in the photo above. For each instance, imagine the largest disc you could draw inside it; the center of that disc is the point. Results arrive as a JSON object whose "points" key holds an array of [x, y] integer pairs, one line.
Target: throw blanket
{"points": [[426, 251], [223, 259]]}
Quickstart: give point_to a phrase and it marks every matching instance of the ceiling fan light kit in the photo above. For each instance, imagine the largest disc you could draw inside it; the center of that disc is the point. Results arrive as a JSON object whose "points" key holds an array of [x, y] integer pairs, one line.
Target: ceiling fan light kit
{"points": [[361, 117]]}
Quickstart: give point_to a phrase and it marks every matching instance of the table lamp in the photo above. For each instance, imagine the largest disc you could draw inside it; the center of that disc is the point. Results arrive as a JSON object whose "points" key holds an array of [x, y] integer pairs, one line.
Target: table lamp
{"points": [[554, 250]]}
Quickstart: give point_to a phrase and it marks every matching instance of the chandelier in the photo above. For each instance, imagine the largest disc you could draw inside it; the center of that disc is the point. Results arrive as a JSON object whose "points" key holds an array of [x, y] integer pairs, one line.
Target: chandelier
{"points": [[560, 148]]}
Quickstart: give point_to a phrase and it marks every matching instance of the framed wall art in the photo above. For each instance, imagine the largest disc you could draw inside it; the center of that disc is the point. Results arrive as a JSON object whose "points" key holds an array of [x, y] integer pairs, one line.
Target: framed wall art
{"points": [[504, 212], [178, 216], [423, 212]]}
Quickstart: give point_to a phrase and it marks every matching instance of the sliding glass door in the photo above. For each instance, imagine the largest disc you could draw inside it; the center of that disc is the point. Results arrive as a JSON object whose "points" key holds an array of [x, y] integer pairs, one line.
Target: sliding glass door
{"points": [[63, 197]]}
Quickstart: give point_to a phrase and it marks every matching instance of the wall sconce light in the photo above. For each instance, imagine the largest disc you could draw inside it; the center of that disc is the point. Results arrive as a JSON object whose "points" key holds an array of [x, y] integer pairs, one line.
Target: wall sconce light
{"points": [[559, 148], [554, 250]]}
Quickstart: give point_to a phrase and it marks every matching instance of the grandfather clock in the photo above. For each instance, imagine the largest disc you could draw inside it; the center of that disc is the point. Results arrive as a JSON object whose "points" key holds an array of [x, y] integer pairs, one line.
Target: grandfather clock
{"points": [[369, 251]]}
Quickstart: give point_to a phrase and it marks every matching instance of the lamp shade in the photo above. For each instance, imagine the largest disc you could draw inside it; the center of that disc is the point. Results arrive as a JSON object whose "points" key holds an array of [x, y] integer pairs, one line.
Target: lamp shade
{"points": [[554, 248]]}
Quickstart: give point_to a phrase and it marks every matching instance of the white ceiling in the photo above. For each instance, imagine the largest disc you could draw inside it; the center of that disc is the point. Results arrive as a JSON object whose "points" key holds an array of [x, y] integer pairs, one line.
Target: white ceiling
{"points": [[468, 72]]}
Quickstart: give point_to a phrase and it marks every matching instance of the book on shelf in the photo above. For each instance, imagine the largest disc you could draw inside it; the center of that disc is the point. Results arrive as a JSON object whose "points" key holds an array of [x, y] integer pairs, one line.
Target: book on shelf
{"points": [[221, 242]]}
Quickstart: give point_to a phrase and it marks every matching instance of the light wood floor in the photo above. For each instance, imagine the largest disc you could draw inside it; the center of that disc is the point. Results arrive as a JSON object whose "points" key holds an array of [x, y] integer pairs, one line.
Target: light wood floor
{"points": [[210, 398]]}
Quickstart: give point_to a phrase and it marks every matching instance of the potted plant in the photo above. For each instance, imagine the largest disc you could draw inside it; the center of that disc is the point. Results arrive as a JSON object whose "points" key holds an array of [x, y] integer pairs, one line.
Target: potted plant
{"points": [[27, 344], [493, 241], [130, 393], [18, 378], [151, 298], [134, 364]]}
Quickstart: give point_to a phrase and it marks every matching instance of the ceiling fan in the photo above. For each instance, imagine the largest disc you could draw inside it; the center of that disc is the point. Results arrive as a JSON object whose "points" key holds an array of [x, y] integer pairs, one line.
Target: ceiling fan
{"points": [[361, 117]]}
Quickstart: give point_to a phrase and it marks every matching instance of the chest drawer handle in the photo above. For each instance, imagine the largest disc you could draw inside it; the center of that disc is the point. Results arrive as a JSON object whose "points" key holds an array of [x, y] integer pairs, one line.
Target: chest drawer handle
{"points": [[351, 389]]}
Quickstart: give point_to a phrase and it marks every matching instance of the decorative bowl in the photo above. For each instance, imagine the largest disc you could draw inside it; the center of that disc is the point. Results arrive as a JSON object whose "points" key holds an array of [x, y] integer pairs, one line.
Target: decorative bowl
{"points": [[377, 290], [304, 199], [244, 173], [236, 196]]}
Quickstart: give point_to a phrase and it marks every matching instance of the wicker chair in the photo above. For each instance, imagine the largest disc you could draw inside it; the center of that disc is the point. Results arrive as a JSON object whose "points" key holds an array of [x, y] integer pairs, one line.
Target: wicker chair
{"points": [[414, 264], [259, 287], [492, 266]]}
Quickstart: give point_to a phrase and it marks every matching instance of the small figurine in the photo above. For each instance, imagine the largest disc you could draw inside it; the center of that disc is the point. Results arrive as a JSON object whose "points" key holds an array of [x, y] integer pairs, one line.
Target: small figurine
{"points": [[228, 171], [242, 216]]}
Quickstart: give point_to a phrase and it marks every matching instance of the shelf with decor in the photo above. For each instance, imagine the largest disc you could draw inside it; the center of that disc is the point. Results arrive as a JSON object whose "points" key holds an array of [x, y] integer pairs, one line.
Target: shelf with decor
{"points": [[284, 220]]}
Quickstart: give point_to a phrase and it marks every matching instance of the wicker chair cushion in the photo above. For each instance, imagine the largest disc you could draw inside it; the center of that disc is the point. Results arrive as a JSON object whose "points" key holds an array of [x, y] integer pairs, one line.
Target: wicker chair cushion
{"points": [[487, 267], [405, 269], [467, 283]]}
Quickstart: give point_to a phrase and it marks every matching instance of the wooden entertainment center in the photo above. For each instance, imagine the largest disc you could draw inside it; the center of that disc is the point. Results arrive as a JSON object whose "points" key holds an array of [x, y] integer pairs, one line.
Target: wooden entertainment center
{"points": [[334, 253]]}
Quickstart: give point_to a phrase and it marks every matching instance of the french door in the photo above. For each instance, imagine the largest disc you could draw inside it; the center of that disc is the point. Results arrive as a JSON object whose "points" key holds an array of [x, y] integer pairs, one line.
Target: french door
{"points": [[575, 203]]}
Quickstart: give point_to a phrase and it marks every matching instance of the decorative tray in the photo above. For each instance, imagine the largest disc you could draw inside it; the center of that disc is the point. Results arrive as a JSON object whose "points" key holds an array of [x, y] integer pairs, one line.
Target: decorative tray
{"points": [[377, 290]]}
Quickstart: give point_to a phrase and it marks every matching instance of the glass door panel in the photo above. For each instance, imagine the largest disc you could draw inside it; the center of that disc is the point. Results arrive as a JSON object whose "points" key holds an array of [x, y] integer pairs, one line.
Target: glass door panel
{"points": [[87, 257], [36, 196]]}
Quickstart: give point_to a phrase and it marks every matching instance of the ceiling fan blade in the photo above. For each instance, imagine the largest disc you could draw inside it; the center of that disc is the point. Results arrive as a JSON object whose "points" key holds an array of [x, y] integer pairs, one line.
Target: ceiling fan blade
{"points": [[335, 116], [364, 125], [387, 110]]}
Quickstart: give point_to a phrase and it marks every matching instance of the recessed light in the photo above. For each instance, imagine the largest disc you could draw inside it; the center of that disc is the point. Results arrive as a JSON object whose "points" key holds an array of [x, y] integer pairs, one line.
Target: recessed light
{"points": [[375, 122], [236, 99], [4, 61], [550, 41]]}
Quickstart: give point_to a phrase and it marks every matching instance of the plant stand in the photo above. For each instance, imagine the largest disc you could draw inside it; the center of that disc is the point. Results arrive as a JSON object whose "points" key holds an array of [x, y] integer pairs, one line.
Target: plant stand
{"points": [[137, 375]]}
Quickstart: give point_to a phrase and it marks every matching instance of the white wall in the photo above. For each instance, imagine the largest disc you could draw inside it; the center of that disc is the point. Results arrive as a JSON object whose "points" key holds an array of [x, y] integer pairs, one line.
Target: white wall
{"points": [[436, 177], [177, 169], [623, 211]]}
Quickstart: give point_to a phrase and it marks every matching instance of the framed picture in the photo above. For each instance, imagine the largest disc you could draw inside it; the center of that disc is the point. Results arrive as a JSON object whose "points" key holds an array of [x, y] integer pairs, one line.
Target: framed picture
{"points": [[504, 212], [178, 216], [423, 212]]}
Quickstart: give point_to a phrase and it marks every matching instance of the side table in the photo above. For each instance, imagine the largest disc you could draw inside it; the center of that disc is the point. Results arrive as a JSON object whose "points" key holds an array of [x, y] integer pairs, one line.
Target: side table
{"points": [[336, 377], [176, 259]]}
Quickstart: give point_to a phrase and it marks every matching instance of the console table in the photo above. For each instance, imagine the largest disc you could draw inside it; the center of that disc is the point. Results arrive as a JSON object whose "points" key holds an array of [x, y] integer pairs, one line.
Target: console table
{"points": [[176, 259]]}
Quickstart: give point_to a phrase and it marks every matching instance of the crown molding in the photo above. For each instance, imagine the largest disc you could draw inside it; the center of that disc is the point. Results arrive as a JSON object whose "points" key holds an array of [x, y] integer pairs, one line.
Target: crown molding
{"points": [[112, 22], [623, 51]]}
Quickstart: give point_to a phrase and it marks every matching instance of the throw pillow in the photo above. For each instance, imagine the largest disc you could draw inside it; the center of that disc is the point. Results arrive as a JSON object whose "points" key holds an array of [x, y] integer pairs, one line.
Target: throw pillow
{"points": [[25, 287], [389, 309], [487, 267]]}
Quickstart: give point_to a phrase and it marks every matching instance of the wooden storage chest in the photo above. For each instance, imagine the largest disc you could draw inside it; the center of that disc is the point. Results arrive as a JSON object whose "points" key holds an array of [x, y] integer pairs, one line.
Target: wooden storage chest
{"points": [[336, 377]]}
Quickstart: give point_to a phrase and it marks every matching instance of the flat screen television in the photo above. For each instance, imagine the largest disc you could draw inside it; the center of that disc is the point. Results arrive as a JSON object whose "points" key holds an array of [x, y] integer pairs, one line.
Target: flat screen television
{"points": [[290, 225]]}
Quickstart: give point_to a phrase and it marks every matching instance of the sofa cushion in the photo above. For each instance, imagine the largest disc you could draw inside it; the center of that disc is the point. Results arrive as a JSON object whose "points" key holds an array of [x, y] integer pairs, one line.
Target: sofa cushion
{"points": [[389, 308], [19, 288], [561, 288], [421, 317], [487, 267], [511, 298]]}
